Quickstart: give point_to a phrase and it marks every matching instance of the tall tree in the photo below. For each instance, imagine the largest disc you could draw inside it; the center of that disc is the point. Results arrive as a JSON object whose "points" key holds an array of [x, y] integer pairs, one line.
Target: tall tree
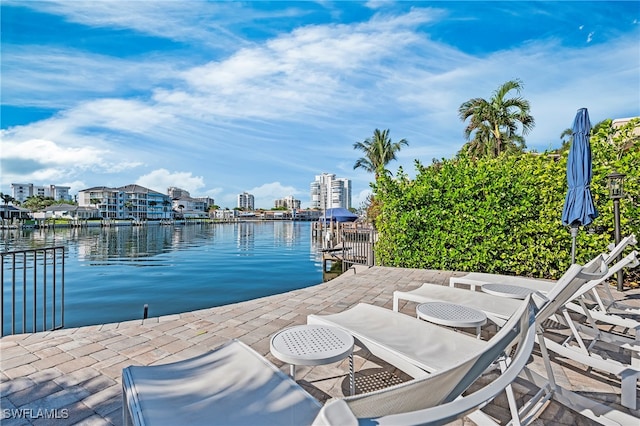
{"points": [[567, 139], [378, 151], [494, 123], [38, 202], [6, 199]]}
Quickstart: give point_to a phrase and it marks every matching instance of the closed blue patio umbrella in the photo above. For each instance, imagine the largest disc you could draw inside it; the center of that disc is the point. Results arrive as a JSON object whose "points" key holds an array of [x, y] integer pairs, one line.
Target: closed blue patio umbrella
{"points": [[578, 205]]}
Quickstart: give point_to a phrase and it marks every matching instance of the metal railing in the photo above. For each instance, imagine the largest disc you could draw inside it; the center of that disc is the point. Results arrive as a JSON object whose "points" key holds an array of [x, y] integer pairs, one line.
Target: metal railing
{"points": [[32, 296], [357, 247]]}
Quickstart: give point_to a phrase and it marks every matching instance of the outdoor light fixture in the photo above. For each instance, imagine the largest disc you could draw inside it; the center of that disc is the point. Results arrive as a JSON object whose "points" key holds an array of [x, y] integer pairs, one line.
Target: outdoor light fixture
{"points": [[616, 185], [616, 191]]}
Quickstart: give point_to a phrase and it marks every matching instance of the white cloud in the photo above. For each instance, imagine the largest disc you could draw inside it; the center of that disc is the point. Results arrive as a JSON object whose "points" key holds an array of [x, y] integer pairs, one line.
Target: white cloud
{"points": [[360, 199], [213, 193], [43, 161], [303, 75], [266, 195], [289, 107], [119, 115], [48, 77], [74, 187], [48, 152], [378, 4], [160, 180], [166, 19]]}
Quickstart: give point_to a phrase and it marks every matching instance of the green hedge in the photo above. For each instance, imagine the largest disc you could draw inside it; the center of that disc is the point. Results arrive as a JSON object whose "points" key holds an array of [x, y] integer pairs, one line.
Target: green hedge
{"points": [[500, 215]]}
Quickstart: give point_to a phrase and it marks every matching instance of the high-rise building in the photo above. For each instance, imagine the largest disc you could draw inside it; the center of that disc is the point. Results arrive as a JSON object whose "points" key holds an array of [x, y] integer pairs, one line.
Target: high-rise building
{"points": [[328, 192], [21, 191], [175, 192], [288, 203], [245, 201]]}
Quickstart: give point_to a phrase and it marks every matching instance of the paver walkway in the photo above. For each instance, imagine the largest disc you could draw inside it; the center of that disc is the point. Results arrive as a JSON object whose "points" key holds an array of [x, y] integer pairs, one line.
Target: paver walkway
{"points": [[74, 375]]}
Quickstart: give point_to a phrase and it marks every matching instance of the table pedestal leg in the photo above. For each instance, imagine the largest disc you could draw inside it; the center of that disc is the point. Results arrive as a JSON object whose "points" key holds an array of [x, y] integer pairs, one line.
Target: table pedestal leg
{"points": [[292, 371], [352, 382]]}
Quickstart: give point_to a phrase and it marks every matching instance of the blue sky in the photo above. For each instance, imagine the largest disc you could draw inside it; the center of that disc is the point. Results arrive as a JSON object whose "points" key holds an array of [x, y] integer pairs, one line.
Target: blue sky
{"points": [[224, 97]]}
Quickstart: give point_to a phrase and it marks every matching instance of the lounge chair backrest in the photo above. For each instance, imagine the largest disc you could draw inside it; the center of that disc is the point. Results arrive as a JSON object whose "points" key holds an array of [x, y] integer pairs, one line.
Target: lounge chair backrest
{"points": [[616, 250], [569, 286], [629, 261], [474, 279], [445, 386]]}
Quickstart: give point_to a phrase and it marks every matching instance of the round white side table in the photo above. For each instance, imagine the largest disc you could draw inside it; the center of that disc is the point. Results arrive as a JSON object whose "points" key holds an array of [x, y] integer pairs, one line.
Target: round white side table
{"points": [[452, 315], [507, 290], [313, 345]]}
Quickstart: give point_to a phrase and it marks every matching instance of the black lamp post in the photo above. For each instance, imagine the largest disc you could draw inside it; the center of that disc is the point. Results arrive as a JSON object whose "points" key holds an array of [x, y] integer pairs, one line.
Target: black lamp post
{"points": [[616, 191]]}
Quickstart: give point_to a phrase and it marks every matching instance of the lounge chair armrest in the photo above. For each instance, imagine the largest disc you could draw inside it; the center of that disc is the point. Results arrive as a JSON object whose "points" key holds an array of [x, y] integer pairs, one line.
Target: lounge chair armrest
{"points": [[590, 276], [336, 412], [632, 347]]}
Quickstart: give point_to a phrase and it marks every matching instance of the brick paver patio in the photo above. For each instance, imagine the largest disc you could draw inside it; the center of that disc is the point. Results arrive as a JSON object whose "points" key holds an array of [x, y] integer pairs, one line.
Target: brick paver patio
{"points": [[73, 374]]}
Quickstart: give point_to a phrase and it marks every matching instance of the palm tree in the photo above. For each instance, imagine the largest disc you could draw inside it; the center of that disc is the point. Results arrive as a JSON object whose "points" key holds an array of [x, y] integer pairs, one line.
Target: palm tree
{"points": [[6, 198], [567, 138], [129, 206], [378, 152], [494, 123], [165, 204]]}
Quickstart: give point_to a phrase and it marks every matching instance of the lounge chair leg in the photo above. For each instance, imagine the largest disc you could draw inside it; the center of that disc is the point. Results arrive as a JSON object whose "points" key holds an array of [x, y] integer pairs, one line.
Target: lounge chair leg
{"points": [[545, 358], [628, 389], [511, 398]]}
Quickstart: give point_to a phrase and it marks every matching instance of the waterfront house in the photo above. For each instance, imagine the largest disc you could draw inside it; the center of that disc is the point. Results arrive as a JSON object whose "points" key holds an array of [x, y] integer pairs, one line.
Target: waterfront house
{"points": [[127, 202], [69, 211], [8, 211]]}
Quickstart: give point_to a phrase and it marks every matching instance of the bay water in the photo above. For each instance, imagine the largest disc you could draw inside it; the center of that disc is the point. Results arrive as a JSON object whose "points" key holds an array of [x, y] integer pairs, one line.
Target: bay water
{"points": [[112, 272]]}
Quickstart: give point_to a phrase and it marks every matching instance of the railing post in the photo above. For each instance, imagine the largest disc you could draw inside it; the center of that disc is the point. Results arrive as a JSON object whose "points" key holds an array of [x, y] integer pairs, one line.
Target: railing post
{"points": [[44, 290], [370, 259], [2, 297], [62, 295], [35, 293], [54, 295], [13, 296], [24, 292]]}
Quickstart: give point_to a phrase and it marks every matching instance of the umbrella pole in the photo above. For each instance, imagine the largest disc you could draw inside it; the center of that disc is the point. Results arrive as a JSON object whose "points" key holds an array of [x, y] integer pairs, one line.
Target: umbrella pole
{"points": [[574, 235]]}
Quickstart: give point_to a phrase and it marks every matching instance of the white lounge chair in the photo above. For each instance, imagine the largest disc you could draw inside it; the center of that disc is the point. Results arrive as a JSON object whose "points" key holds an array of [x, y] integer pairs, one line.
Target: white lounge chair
{"points": [[558, 301], [234, 385], [596, 309], [604, 302], [473, 279], [499, 309]]}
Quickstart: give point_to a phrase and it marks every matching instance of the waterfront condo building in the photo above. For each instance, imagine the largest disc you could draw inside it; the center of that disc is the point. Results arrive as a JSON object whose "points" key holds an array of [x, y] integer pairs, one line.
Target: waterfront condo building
{"points": [[175, 192], [328, 192], [21, 191], [289, 203], [127, 202], [189, 206], [246, 201]]}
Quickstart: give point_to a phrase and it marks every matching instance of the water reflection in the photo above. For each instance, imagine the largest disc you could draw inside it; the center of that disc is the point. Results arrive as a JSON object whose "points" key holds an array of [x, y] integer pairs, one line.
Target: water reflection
{"points": [[133, 243], [111, 273], [245, 236]]}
